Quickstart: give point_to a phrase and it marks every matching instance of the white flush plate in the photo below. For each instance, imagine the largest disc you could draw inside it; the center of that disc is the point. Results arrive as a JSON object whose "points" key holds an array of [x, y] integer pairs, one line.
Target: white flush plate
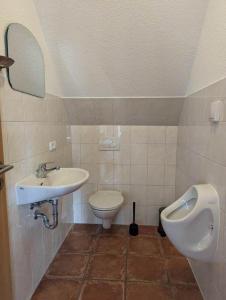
{"points": [[109, 144]]}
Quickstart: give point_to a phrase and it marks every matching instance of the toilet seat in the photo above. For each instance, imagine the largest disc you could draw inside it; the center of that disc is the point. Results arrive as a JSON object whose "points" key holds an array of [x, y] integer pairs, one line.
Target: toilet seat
{"points": [[106, 200]]}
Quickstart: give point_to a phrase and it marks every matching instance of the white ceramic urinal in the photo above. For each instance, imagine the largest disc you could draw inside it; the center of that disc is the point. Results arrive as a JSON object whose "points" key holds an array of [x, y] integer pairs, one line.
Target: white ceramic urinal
{"points": [[192, 222]]}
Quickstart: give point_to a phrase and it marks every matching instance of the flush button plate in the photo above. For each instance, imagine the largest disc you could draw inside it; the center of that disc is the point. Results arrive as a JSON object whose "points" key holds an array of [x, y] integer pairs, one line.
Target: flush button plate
{"points": [[109, 144]]}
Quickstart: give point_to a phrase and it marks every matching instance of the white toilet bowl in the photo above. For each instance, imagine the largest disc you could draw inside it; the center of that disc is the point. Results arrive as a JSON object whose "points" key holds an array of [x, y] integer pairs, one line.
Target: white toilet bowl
{"points": [[105, 205], [192, 222]]}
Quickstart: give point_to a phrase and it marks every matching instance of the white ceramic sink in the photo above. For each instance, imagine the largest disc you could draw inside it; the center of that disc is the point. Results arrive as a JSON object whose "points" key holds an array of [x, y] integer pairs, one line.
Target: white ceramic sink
{"points": [[57, 183]]}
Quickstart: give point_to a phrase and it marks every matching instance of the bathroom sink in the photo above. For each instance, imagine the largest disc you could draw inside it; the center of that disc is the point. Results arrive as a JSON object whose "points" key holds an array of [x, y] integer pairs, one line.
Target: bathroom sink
{"points": [[57, 183]]}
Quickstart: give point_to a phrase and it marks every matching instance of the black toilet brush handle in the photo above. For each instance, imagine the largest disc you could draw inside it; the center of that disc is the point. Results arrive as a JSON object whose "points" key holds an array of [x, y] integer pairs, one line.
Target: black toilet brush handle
{"points": [[134, 208]]}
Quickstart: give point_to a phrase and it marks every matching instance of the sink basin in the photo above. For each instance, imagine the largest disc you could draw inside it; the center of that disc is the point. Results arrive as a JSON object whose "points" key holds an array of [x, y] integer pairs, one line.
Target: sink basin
{"points": [[57, 183]]}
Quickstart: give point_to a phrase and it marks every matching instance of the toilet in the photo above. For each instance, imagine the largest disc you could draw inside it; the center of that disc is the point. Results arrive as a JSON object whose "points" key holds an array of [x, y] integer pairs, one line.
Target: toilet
{"points": [[105, 205], [192, 222]]}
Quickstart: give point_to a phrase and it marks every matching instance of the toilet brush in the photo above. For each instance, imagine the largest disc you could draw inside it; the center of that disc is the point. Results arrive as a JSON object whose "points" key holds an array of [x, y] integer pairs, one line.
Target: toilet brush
{"points": [[133, 228]]}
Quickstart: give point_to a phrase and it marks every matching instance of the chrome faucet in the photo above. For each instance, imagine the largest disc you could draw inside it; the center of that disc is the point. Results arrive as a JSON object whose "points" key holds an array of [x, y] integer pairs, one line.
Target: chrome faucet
{"points": [[42, 170]]}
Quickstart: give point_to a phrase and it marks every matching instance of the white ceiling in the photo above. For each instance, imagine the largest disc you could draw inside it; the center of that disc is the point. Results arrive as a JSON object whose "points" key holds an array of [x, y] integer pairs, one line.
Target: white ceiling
{"points": [[105, 48]]}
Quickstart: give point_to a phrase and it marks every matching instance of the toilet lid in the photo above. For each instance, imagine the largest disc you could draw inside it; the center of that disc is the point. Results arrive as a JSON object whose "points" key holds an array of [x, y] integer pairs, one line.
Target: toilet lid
{"points": [[106, 200]]}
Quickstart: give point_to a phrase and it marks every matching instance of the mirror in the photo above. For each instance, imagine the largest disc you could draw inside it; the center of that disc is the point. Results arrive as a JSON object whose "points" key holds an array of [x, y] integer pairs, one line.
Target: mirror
{"points": [[27, 75]]}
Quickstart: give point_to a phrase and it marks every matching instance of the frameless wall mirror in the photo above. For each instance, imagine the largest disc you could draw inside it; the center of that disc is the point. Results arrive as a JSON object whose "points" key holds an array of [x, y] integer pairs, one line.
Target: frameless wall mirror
{"points": [[27, 75]]}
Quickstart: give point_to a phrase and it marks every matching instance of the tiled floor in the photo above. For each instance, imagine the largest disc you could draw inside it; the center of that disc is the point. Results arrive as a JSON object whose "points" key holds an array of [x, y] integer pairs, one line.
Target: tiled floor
{"points": [[94, 264]]}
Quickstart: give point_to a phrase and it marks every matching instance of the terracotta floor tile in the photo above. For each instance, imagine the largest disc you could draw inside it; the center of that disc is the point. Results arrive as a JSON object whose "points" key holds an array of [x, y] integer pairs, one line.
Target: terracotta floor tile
{"points": [[179, 271], [102, 290], [57, 289], [69, 265], [107, 266], [143, 245], [116, 230], [148, 291], [146, 268], [111, 244], [78, 242], [92, 229], [148, 230], [187, 293], [168, 248], [153, 268]]}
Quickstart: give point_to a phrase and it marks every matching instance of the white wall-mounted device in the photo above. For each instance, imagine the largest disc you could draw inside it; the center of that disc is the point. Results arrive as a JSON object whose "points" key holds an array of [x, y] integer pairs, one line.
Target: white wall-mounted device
{"points": [[52, 146], [216, 111]]}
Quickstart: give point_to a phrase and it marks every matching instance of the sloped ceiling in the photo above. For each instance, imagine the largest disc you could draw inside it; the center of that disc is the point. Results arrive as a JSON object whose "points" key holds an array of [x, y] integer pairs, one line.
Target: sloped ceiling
{"points": [[116, 48]]}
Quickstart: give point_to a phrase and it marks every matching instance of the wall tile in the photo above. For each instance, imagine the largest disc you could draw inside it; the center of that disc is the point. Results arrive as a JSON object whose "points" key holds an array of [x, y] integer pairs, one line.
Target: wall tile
{"points": [[89, 153], [103, 111], [80, 111], [105, 157], [139, 134], [9, 100], [105, 131], [121, 174], [76, 134], [169, 195], [127, 169], [35, 109], [170, 174], [89, 135], [138, 194], [139, 174], [16, 141], [93, 170], [171, 152], [155, 195], [156, 154], [157, 134], [29, 124], [156, 175], [106, 173], [201, 159], [171, 134], [139, 154], [124, 133], [125, 190], [36, 139], [76, 159], [56, 110], [124, 111], [123, 156]]}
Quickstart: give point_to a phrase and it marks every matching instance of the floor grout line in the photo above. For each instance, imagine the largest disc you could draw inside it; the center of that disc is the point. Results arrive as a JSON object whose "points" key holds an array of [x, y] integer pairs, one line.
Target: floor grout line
{"points": [[93, 244]]}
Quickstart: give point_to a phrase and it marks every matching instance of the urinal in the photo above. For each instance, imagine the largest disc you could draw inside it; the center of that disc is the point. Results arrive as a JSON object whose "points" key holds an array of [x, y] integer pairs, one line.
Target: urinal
{"points": [[192, 222]]}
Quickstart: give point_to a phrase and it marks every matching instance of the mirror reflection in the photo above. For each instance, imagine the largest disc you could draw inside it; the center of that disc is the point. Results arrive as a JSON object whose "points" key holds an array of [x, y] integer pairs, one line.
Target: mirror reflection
{"points": [[27, 75]]}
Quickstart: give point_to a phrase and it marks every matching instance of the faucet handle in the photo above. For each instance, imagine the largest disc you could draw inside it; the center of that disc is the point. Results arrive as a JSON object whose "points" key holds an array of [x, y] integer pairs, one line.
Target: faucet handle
{"points": [[45, 164], [54, 167], [42, 169]]}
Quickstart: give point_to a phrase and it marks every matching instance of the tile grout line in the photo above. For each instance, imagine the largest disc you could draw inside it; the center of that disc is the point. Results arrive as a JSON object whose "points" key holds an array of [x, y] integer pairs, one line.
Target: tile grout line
{"points": [[85, 276], [126, 263], [94, 242]]}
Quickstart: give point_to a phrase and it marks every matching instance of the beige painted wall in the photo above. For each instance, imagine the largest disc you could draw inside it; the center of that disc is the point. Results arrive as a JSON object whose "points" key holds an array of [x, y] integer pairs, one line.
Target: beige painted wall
{"points": [[24, 12], [123, 48], [210, 61]]}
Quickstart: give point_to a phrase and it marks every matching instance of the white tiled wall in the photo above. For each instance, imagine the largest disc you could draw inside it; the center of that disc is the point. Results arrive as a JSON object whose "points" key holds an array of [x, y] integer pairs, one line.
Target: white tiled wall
{"points": [[143, 169], [28, 123], [201, 158]]}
